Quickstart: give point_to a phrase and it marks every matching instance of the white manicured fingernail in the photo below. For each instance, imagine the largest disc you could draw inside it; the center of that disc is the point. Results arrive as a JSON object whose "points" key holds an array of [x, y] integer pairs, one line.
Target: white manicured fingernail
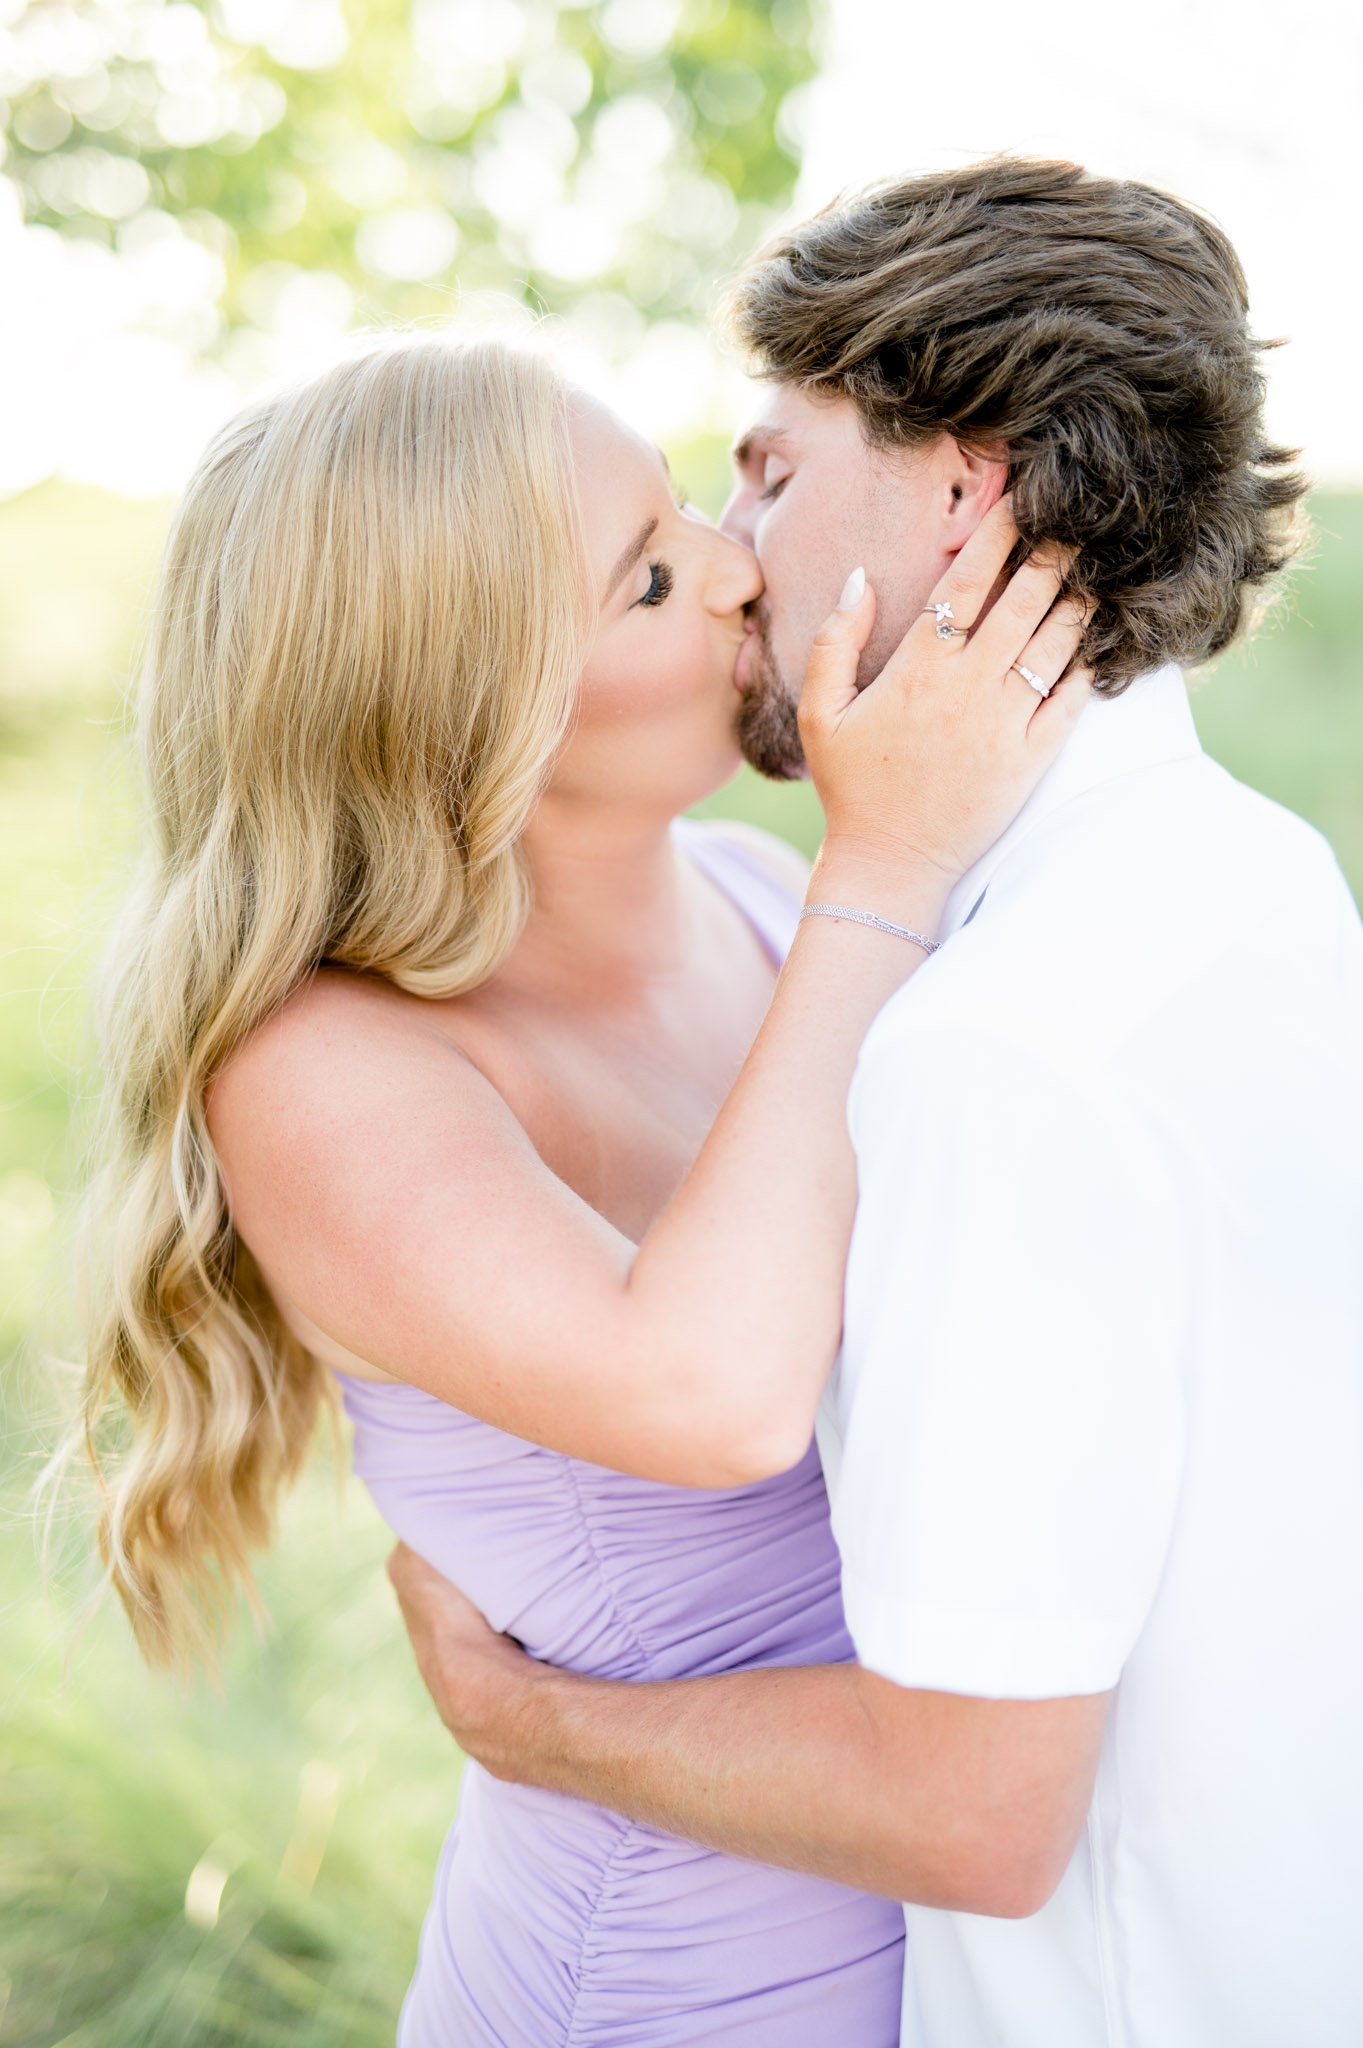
{"points": [[852, 590]]}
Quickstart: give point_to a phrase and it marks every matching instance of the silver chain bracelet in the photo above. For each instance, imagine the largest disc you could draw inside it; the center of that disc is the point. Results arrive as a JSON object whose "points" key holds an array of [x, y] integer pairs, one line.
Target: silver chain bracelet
{"points": [[880, 924]]}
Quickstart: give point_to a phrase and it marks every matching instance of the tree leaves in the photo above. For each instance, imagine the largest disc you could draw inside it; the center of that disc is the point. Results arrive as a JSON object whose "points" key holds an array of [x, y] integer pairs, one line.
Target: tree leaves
{"points": [[414, 152]]}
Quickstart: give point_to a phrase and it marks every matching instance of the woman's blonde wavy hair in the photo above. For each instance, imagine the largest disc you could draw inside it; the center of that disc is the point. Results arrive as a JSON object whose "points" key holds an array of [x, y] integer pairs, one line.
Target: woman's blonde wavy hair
{"points": [[371, 618]]}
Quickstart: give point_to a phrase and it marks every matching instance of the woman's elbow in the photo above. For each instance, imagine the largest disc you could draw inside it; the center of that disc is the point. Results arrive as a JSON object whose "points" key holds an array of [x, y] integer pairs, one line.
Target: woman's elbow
{"points": [[1013, 1892], [730, 1449], [1002, 1881]]}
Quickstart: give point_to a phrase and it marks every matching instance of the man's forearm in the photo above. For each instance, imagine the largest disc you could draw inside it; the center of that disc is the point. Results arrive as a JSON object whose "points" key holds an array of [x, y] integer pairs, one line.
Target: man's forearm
{"points": [[929, 1797], [741, 1763]]}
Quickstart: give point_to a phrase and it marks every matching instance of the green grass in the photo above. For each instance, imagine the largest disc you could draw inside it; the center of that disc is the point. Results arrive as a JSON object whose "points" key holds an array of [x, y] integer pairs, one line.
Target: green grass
{"points": [[311, 1795], [1285, 713], [206, 1869]]}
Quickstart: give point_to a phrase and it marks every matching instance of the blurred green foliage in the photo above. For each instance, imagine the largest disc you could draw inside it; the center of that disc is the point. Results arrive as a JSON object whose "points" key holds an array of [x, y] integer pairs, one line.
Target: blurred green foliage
{"points": [[192, 1871], [408, 149], [311, 1796], [1285, 712], [251, 1867]]}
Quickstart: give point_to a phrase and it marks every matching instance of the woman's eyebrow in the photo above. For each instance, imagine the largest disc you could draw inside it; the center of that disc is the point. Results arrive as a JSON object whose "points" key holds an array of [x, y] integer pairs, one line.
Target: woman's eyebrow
{"points": [[630, 557]]}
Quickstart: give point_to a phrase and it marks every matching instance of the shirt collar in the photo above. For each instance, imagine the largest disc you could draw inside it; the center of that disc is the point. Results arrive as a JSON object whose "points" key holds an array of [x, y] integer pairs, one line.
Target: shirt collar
{"points": [[1149, 724]]}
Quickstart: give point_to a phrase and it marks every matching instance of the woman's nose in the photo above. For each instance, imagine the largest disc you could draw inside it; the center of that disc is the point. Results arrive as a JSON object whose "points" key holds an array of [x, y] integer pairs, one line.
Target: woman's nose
{"points": [[735, 578]]}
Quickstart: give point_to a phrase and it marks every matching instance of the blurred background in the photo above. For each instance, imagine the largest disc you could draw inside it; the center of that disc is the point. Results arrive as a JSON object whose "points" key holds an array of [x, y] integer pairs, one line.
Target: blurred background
{"points": [[197, 199]]}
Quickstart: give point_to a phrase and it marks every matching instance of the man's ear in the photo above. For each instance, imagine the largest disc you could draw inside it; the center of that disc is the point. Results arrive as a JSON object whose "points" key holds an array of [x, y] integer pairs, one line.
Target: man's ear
{"points": [[970, 481]]}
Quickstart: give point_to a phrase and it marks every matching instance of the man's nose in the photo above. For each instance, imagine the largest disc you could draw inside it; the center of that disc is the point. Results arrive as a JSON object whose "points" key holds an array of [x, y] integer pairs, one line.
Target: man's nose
{"points": [[738, 517]]}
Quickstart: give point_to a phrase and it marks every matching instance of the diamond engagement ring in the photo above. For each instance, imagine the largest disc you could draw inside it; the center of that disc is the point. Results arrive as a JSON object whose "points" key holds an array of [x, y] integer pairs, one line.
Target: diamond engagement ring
{"points": [[944, 616], [1038, 683]]}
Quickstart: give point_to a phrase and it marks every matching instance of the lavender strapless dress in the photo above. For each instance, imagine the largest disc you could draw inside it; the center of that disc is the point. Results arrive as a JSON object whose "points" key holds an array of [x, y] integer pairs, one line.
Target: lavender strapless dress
{"points": [[557, 1924]]}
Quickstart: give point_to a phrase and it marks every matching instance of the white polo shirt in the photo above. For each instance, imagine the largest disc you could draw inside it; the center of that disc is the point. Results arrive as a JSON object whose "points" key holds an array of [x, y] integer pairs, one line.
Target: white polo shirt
{"points": [[1101, 1397]]}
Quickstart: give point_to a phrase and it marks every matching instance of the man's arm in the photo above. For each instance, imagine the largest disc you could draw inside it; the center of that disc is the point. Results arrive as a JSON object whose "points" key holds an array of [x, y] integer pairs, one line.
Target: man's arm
{"points": [[943, 1800]]}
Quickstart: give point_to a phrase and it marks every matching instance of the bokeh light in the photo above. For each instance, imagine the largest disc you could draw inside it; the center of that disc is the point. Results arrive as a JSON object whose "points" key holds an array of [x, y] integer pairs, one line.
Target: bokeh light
{"points": [[202, 197]]}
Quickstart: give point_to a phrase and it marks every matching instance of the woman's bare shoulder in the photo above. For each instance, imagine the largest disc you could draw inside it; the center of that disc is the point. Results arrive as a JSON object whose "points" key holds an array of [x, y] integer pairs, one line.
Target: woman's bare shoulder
{"points": [[341, 1121], [340, 1053], [288, 1094], [334, 1013]]}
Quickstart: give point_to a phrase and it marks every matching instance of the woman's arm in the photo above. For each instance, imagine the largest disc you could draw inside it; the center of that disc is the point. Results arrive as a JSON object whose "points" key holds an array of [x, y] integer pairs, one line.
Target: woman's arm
{"points": [[388, 1191]]}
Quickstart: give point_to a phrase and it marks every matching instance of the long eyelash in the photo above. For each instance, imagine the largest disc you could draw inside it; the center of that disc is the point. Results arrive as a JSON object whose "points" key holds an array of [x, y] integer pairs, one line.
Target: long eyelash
{"points": [[773, 490], [661, 580]]}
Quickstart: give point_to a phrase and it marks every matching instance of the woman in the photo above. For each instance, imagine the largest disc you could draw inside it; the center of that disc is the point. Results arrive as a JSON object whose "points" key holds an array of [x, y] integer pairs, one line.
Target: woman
{"points": [[422, 1011]]}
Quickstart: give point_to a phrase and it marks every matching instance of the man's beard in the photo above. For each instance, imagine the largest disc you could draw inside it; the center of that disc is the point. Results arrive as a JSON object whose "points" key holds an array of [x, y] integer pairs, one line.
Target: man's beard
{"points": [[768, 729]]}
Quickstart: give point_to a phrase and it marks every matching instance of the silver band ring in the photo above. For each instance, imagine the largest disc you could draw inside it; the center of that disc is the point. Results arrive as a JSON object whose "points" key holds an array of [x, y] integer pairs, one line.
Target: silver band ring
{"points": [[944, 616], [1029, 675]]}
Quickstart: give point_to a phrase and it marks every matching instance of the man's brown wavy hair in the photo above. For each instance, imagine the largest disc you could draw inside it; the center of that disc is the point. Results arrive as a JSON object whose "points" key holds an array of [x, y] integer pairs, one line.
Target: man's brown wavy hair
{"points": [[1097, 329]]}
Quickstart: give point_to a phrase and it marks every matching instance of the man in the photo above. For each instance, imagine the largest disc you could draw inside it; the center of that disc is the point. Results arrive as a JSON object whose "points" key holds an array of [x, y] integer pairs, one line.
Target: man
{"points": [[1095, 1448]]}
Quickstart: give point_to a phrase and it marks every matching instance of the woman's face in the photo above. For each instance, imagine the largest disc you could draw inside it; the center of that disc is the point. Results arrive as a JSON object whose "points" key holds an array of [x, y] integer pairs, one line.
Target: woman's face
{"points": [[658, 703]]}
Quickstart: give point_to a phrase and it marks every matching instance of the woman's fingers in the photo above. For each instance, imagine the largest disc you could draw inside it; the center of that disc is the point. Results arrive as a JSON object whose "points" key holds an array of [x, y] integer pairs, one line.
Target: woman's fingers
{"points": [[944, 747], [992, 626], [1057, 715], [830, 684], [1050, 650], [976, 569], [1019, 611]]}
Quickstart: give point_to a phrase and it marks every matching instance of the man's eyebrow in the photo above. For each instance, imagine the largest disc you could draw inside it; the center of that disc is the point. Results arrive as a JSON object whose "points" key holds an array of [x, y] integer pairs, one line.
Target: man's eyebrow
{"points": [[758, 437], [630, 557]]}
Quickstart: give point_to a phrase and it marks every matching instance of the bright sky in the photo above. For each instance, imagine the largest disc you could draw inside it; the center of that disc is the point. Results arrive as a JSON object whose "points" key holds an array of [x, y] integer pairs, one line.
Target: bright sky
{"points": [[1250, 108], [1253, 112]]}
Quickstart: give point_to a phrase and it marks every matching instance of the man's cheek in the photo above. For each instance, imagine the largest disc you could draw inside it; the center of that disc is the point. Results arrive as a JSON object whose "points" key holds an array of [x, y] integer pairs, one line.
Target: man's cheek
{"points": [[790, 630], [792, 643]]}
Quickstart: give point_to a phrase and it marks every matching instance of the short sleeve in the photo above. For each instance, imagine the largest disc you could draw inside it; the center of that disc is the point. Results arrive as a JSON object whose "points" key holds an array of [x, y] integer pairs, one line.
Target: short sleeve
{"points": [[1009, 1401]]}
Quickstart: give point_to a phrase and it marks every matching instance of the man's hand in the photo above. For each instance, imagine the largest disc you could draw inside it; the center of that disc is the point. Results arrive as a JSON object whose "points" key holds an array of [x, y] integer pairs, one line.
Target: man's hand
{"points": [[970, 1804], [481, 1682]]}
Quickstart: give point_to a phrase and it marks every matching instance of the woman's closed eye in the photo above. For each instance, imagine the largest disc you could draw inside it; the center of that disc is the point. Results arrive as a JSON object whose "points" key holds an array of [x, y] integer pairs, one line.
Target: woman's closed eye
{"points": [[773, 489], [660, 582]]}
